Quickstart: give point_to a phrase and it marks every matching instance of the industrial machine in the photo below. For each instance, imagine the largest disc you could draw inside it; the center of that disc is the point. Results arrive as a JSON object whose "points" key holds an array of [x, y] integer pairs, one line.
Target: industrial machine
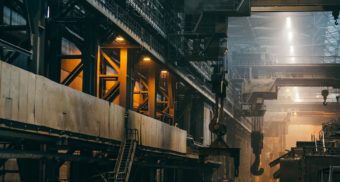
{"points": [[217, 125], [313, 161]]}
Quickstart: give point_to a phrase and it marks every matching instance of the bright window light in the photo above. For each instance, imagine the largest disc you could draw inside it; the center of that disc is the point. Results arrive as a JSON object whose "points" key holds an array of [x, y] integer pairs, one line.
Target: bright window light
{"points": [[291, 49], [288, 22], [290, 36]]}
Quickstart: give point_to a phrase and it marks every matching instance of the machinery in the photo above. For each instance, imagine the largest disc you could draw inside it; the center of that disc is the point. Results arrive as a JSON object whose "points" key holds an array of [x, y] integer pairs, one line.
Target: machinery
{"points": [[313, 161], [256, 112], [217, 125]]}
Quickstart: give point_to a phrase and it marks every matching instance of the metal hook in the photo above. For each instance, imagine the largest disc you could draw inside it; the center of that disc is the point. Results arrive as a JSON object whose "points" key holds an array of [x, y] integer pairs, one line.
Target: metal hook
{"points": [[255, 167]]}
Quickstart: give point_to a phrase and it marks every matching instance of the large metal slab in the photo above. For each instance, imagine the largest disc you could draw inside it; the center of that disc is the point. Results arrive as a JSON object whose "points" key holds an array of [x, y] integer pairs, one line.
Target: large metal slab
{"points": [[116, 122], [14, 92], [23, 97], [52, 105], [5, 100], [72, 120], [37, 100]]}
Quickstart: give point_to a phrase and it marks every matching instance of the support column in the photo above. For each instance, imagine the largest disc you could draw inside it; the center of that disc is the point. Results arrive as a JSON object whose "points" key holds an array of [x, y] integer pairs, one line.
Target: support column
{"points": [[36, 11], [53, 45], [152, 90], [197, 118], [89, 57], [123, 78], [127, 61], [171, 97]]}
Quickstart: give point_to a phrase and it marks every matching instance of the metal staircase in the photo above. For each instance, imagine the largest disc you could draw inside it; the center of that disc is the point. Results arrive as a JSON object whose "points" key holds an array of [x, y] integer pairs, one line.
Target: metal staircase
{"points": [[126, 156]]}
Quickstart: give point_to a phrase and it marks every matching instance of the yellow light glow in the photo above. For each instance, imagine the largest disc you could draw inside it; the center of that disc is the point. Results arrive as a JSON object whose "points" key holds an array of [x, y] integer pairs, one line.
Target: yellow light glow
{"points": [[164, 72], [120, 39], [146, 58]]}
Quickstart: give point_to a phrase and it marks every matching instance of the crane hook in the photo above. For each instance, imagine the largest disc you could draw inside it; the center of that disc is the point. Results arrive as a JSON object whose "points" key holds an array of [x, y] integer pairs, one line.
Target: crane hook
{"points": [[255, 167], [257, 145]]}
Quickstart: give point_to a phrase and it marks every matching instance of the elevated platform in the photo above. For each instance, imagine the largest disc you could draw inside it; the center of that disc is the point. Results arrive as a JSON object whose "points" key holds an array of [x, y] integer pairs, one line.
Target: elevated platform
{"points": [[38, 102]]}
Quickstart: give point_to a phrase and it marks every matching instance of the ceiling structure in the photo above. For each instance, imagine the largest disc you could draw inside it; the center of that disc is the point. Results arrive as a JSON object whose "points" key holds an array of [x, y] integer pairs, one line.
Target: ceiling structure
{"points": [[294, 37], [287, 38]]}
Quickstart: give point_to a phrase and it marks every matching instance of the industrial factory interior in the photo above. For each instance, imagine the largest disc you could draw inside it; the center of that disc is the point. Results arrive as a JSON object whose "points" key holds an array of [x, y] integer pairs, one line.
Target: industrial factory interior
{"points": [[169, 91]]}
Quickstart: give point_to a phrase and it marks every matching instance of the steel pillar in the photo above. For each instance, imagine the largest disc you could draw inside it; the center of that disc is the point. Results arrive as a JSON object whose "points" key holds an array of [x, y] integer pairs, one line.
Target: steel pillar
{"points": [[89, 53], [153, 76], [36, 20], [123, 78], [53, 44], [171, 96]]}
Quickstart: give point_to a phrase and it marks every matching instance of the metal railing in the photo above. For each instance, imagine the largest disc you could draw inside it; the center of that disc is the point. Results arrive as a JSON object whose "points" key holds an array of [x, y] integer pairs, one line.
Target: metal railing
{"points": [[131, 23]]}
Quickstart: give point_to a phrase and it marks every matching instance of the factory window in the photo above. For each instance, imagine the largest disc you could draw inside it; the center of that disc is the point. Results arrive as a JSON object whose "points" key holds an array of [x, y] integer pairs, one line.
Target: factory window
{"points": [[11, 17], [69, 48]]}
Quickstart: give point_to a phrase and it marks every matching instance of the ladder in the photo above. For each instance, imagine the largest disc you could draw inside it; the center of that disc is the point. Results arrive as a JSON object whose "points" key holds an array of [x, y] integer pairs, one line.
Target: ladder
{"points": [[125, 157]]}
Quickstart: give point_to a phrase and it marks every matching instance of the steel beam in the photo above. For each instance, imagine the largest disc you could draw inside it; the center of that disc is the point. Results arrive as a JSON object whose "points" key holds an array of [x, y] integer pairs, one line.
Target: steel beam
{"points": [[123, 75], [8, 28], [71, 56], [15, 48], [36, 21], [115, 19], [317, 106], [36, 155], [152, 82], [74, 73], [293, 5], [171, 97], [89, 51]]}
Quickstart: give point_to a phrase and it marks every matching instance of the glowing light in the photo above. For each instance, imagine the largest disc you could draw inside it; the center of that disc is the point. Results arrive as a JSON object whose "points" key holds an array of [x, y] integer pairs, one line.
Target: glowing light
{"points": [[120, 39], [48, 12], [295, 113], [146, 58], [292, 60], [297, 95], [291, 49], [290, 36], [164, 74], [288, 22]]}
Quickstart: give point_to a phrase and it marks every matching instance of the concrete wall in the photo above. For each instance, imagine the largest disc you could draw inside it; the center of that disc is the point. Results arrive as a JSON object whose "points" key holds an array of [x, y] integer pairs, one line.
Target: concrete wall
{"points": [[34, 99]]}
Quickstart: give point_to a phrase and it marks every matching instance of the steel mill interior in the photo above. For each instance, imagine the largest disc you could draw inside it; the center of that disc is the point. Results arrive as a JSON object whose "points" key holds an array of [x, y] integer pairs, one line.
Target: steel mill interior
{"points": [[169, 91]]}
